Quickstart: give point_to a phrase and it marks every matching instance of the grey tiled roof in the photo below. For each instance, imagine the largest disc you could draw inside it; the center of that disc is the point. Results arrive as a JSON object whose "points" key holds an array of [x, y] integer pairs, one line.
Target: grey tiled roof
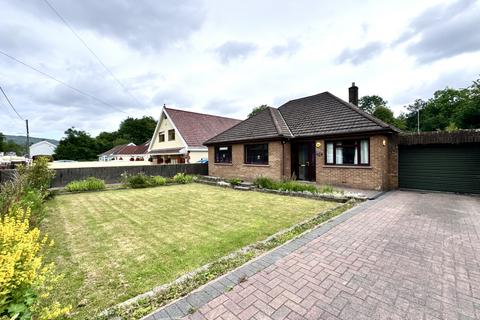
{"points": [[266, 124], [317, 115], [325, 113]]}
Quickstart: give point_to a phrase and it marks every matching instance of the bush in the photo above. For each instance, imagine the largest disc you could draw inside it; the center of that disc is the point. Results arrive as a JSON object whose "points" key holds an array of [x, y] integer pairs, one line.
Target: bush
{"points": [[88, 184], [159, 180], [235, 181], [139, 180], [266, 183], [326, 189], [183, 178], [297, 186], [11, 193], [38, 175], [290, 185], [25, 279], [17, 194]]}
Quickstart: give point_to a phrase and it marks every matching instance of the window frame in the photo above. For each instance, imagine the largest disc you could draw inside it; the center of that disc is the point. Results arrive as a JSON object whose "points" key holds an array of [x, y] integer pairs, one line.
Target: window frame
{"points": [[161, 134], [264, 163], [217, 149], [170, 131], [357, 145]]}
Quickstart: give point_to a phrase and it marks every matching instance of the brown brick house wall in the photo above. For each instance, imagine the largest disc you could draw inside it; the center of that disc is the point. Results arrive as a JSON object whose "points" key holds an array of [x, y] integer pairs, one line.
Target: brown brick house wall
{"points": [[381, 174], [238, 169]]}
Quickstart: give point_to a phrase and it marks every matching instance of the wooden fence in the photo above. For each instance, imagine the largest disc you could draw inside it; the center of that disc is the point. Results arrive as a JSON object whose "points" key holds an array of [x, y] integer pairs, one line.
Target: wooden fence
{"points": [[112, 174]]}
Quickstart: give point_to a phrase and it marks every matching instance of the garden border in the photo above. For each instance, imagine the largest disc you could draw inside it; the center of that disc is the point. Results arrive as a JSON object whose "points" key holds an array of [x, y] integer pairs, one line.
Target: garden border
{"points": [[305, 194]]}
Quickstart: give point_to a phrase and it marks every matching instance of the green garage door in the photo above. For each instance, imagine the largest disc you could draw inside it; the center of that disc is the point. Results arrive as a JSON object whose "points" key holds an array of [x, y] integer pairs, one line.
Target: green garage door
{"points": [[454, 168]]}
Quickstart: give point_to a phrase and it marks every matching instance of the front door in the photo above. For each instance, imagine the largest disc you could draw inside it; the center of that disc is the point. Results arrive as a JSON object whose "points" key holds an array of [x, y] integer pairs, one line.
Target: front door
{"points": [[303, 156]]}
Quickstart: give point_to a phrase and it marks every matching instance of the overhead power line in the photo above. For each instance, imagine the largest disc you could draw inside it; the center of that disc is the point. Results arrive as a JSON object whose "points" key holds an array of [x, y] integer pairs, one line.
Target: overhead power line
{"points": [[92, 52], [11, 105], [62, 82]]}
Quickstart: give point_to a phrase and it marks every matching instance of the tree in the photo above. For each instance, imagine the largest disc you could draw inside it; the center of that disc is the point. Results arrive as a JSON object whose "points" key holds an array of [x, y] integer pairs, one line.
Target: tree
{"points": [[137, 130], [370, 103], [2, 142], [385, 114], [448, 108], [257, 110], [77, 145], [107, 140], [10, 146]]}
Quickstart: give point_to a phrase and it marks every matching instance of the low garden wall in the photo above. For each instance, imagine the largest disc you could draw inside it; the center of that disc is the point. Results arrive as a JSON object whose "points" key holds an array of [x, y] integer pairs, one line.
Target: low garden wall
{"points": [[112, 174]]}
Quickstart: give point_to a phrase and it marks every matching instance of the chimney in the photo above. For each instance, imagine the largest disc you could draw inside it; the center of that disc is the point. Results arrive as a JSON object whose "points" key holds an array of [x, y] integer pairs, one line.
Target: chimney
{"points": [[353, 94]]}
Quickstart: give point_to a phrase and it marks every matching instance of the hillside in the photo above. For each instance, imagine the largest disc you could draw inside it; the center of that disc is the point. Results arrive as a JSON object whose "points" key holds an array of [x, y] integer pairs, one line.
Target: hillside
{"points": [[21, 140]]}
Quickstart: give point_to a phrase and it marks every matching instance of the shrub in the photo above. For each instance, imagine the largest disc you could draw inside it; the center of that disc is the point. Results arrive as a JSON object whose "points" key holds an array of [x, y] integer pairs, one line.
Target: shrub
{"points": [[139, 180], [17, 194], [326, 189], [297, 186], [235, 181], [265, 183], [25, 279], [159, 180], [183, 178], [10, 193], [38, 175], [34, 200], [290, 185], [88, 184]]}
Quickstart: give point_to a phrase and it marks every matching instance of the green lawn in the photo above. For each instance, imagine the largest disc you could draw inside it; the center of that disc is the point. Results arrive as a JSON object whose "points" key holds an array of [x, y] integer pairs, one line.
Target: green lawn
{"points": [[113, 245]]}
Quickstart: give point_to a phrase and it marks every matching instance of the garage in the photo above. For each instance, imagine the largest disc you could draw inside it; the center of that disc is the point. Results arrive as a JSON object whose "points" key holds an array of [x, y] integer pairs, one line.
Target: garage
{"points": [[440, 161]]}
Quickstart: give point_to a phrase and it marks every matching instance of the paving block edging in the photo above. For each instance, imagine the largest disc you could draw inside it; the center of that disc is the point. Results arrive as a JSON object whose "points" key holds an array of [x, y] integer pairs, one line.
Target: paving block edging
{"points": [[183, 306]]}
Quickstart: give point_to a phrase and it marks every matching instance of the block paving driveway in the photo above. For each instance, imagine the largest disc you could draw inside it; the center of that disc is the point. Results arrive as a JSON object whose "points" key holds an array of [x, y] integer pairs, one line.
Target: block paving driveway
{"points": [[406, 255]]}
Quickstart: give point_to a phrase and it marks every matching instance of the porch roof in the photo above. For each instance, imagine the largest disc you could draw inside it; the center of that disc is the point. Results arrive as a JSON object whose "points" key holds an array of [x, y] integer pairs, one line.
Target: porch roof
{"points": [[169, 151]]}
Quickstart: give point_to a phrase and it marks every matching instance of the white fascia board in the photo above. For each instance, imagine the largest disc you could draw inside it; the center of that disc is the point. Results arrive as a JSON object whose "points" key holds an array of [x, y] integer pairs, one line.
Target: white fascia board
{"points": [[176, 130]]}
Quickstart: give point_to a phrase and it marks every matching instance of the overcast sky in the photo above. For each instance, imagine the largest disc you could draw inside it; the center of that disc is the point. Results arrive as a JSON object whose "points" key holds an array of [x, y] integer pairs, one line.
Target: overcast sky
{"points": [[224, 57]]}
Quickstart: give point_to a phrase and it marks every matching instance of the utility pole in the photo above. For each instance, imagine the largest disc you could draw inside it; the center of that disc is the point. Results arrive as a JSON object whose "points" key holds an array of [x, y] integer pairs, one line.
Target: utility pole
{"points": [[418, 121], [28, 140]]}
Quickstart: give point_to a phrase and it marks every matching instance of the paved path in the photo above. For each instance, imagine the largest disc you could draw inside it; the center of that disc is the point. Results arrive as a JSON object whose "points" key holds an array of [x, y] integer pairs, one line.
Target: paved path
{"points": [[405, 255]]}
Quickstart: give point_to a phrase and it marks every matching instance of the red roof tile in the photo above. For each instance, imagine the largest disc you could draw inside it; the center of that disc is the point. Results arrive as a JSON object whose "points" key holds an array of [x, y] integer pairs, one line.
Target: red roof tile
{"points": [[196, 128], [127, 149]]}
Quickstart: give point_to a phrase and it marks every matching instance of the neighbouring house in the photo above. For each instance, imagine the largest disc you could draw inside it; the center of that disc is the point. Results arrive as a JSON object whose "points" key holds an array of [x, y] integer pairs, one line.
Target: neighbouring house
{"points": [[126, 152], [319, 138], [179, 135], [42, 148]]}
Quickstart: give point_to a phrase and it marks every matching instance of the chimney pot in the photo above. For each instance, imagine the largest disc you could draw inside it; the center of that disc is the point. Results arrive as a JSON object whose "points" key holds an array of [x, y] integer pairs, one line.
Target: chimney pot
{"points": [[353, 94]]}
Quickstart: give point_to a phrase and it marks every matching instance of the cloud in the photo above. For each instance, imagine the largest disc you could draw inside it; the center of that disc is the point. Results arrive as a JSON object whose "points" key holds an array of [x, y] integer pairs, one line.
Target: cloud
{"points": [[234, 50], [360, 55], [172, 98], [460, 78], [225, 107], [288, 49], [443, 31], [145, 24], [23, 37]]}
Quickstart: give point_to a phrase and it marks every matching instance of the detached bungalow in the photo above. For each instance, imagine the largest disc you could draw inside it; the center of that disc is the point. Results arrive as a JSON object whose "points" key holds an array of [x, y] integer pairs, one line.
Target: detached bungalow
{"points": [[126, 152], [319, 138], [179, 135]]}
